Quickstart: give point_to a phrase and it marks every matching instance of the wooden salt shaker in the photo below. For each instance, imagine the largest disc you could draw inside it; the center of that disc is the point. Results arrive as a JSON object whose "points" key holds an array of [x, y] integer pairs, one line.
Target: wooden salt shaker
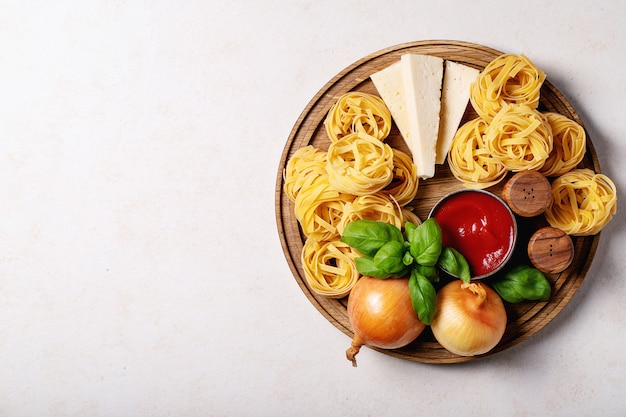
{"points": [[550, 250], [528, 193]]}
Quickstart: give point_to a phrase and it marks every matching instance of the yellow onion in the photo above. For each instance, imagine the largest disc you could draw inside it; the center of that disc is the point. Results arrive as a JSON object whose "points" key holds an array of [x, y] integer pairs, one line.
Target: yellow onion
{"points": [[470, 318], [381, 314]]}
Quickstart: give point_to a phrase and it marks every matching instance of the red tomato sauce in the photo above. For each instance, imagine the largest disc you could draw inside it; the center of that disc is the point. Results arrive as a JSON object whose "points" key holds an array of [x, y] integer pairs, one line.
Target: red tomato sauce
{"points": [[479, 226]]}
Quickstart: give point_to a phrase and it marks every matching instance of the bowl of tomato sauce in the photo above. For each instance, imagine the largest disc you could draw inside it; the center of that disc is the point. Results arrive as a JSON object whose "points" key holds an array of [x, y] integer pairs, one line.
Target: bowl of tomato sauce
{"points": [[481, 226]]}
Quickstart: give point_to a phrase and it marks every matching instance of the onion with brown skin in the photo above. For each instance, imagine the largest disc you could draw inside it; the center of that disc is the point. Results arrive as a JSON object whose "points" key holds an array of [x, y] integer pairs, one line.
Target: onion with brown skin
{"points": [[470, 318], [381, 314]]}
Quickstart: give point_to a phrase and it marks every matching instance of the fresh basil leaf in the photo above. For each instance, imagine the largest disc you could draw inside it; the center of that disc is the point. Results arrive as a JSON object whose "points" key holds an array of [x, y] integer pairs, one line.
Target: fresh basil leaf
{"points": [[430, 272], [389, 257], [452, 261], [423, 297], [402, 273], [365, 265], [368, 236], [407, 259], [395, 233], [426, 243], [523, 283], [409, 229]]}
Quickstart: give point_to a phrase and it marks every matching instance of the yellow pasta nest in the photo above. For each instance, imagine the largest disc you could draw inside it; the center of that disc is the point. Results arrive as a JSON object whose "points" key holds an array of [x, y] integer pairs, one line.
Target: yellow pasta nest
{"points": [[305, 166], [410, 216], [403, 186], [358, 112], [519, 137], [469, 159], [508, 79], [371, 207], [583, 202], [359, 164], [570, 145], [319, 209], [329, 267]]}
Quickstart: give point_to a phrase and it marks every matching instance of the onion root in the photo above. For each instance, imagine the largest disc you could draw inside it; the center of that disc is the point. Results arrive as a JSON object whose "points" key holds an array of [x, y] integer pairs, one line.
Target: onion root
{"points": [[354, 348]]}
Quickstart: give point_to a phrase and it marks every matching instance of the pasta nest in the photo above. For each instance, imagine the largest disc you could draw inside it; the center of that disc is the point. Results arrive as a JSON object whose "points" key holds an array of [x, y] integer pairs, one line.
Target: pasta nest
{"points": [[410, 216], [329, 267], [358, 112], [469, 159], [371, 207], [359, 164], [319, 209], [508, 79], [583, 202], [570, 145], [519, 137], [404, 184], [305, 166]]}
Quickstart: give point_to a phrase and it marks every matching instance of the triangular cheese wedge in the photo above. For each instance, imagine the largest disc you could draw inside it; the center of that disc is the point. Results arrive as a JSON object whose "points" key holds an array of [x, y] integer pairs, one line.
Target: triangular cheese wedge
{"points": [[422, 76], [455, 94], [390, 87]]}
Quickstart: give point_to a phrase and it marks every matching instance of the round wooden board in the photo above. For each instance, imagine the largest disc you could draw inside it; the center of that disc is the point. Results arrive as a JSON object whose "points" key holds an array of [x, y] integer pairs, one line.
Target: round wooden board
{"points": [[524, 319]]}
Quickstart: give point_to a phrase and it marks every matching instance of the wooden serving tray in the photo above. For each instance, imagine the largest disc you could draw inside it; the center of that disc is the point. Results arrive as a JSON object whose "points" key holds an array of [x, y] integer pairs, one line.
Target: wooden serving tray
{"points": [[524, 319]]}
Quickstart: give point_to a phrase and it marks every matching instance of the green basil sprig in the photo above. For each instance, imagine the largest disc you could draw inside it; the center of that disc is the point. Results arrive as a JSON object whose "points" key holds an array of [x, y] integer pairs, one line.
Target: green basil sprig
{"points": [[386, 254], [522, 283], [368, 236], [430, 272], [423, 297], [390, 257], [455, 263], [425, 242]]}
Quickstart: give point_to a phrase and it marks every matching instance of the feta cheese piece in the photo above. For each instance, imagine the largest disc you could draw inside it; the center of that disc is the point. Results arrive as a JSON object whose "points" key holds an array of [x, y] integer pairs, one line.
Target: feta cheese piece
{"points": [[457, 79], [389, 84], [422, 76]]}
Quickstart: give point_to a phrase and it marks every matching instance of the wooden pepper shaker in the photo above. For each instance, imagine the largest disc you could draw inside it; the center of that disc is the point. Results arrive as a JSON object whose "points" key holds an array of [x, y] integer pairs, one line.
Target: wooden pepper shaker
{"points": [[528, 193], [550, 250]]}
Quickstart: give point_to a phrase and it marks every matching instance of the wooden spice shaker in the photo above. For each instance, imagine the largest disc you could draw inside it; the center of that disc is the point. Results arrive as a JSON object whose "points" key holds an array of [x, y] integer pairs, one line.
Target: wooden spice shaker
{"points": [[528, 193], [550, 250]]}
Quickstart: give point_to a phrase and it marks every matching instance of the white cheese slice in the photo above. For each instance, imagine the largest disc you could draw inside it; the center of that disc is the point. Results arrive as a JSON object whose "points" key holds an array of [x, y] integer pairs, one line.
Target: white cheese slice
{"points": [[457, 79], [422, 76], [390, 87]]}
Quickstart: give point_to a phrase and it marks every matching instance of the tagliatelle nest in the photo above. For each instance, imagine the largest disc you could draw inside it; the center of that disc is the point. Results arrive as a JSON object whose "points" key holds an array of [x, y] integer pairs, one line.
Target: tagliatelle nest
{"points": [[583, 202], [570, 145], [508, 79], [358, 112], [319, 208], [410, 216], [469, 159], [305, 166], [519, 137], [359, 164], [371, 207], [329, 267], [403, 186]]}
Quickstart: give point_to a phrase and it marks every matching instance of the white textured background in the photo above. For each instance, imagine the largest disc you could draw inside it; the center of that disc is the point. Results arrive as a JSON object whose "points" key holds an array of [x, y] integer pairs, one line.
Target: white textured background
{"points": [[140, 268]]}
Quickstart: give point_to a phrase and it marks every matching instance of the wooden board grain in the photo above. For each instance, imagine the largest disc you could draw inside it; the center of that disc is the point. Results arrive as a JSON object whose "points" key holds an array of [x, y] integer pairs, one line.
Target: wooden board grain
{"points": [[524, 319]]}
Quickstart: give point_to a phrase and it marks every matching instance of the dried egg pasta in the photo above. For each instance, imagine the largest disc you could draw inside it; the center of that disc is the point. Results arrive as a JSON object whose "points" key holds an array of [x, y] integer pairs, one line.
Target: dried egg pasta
{"points": [[583, 202], [403, 186], [305, 166], [319, 209], [570, 145], [358, 112], [519, 137], [329, 267], [469, 159], [508, 79], [410, 216], [359, 164], [371, 207]]}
